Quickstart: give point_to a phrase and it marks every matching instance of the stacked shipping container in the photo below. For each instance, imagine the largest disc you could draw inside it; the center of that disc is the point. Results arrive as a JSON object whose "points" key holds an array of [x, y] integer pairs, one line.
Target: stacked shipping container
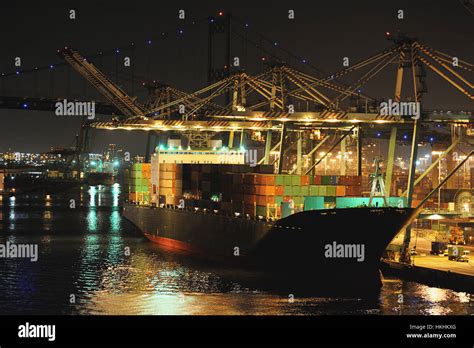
{"points": [[137, 182], [234, 188]]}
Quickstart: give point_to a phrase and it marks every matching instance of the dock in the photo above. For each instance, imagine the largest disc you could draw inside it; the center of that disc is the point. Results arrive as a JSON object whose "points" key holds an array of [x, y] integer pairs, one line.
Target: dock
{"points": [[434, 270]]}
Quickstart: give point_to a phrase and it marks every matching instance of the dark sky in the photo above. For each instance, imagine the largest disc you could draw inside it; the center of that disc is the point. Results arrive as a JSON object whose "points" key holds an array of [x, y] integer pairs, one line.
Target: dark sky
{"points": [[322, 31]]}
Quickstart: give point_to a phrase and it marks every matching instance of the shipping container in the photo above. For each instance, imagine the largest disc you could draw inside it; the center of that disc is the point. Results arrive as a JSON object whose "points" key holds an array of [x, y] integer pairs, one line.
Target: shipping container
{"points": [[314, 190], [280, 190], [280, 179], [313, 203]]}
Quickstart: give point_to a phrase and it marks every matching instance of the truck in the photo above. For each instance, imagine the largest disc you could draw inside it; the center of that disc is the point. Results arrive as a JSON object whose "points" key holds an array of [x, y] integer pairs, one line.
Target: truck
{"points": [[438, 248], [457, 253]]}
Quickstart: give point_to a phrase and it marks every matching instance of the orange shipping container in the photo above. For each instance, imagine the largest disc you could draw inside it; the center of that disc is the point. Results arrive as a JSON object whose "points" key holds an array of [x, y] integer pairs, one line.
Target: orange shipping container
{"points": [[264, 200], [172, 200], [279, 190], [171, 167], [340, 191], [265, 190], [171, 183], [265, 179], [172, 191], [169, 175], [304, 180]]}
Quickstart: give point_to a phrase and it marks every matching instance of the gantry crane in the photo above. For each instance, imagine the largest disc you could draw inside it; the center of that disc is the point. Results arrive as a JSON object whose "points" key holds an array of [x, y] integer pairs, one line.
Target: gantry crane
{"points": [[113, 93]]}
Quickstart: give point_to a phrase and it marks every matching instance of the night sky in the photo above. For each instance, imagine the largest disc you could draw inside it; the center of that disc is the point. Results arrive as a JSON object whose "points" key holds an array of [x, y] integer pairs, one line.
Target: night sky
{"points": [[322, 32]]}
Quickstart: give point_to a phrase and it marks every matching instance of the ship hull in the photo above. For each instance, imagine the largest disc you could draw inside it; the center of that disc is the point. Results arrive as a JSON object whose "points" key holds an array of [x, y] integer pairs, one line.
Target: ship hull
{"points": [[312, 249]]}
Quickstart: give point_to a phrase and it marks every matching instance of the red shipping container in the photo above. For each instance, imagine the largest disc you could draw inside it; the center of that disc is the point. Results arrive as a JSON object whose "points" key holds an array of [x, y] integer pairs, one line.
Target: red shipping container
{"points": [[353, 191], [304, 180], [316, 179], [356, 180], [250, 199], [250, 189], [343, 180]]}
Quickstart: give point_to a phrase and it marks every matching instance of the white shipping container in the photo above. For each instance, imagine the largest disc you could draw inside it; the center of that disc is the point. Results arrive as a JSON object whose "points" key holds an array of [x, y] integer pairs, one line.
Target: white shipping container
{"points": [[155, 170]]}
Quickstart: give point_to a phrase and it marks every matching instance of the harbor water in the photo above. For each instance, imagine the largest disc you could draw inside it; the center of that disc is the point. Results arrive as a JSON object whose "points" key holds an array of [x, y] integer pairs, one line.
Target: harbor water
{"points": [[93, 261]]}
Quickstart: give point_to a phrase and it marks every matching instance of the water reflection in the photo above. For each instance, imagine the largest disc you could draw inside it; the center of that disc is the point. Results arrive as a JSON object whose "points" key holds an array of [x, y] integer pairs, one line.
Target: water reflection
{"points": [[82, 252]]}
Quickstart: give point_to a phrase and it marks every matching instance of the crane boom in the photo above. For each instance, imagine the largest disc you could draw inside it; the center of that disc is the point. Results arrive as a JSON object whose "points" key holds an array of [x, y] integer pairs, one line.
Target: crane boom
{"points": [[104, 85]]}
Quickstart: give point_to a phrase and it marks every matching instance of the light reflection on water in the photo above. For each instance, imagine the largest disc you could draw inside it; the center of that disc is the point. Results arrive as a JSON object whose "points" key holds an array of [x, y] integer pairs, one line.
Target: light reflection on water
{"points": [[83, 253]]}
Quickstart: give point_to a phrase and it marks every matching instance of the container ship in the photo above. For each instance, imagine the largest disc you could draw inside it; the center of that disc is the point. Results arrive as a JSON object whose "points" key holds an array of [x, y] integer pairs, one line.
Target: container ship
{"points": [[307, 230]]}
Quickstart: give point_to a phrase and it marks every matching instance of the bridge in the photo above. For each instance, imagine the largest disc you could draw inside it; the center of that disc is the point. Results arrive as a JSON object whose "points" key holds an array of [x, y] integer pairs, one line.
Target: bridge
{"points": [[288, 100]]}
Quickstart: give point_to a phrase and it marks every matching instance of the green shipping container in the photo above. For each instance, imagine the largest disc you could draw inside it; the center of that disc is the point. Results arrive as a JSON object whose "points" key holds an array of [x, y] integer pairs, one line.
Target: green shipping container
{"points": [[305, 190], [298, 200], [280, 180], [296, 190], [278, 200], [353, 202], [314, 190], [331, 191], [323, 190], [285, 209], [326, 180], [287, 180], [295, 180], [137, 167], [313, 203], [287, 191], [136, 174]]}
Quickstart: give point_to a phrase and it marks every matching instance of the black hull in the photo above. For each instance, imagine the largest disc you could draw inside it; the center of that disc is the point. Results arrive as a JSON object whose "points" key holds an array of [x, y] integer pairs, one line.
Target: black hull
{"points": [[293, 249]]}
